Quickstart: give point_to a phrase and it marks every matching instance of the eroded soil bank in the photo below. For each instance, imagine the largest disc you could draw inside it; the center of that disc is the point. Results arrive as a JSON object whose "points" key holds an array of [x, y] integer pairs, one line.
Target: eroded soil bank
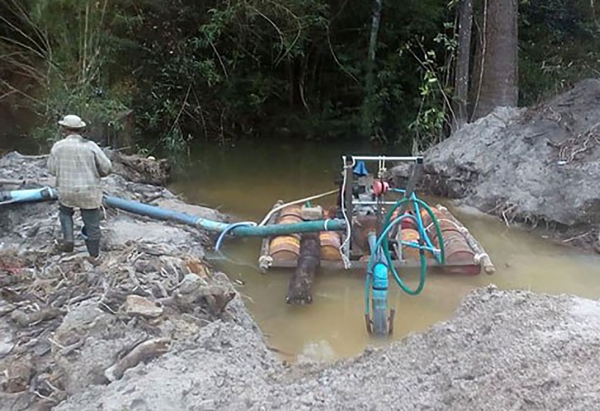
{"points": [[502, 351], [154, 328], [539, 165]]}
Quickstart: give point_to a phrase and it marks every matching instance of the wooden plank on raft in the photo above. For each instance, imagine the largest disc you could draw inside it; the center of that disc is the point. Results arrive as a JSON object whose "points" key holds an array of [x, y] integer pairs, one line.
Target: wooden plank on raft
{"points": [[462, 267], [300, 287]]}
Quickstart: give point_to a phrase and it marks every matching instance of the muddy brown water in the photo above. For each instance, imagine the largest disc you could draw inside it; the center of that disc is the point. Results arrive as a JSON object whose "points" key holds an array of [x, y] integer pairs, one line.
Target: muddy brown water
{"points": [[247, 179]]}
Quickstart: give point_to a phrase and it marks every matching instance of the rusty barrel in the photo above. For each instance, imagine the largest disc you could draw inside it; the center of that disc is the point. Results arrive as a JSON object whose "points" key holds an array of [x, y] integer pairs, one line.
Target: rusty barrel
{"points": [[406, 223], [330, 245], [446, 225], [285, 248], [457, 248], [441, 217], [290, 215]]}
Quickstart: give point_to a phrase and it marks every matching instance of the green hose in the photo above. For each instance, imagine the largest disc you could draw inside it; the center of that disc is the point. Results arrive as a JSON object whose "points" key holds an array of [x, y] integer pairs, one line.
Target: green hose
{"points": [[438, 231], [384, 242]]}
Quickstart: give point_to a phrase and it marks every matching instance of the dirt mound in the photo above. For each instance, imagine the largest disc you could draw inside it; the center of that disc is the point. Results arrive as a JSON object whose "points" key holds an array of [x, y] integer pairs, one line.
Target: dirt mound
{"points": [[539, 166], [139, 169], [502, 351], [66, 325]]}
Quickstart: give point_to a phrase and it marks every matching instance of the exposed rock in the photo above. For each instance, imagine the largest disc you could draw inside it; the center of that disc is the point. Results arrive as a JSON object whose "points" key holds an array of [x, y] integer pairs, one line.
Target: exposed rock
{"points": [[538, 165], [18, 375], [139, 169], [65, 325], [136, 305]]}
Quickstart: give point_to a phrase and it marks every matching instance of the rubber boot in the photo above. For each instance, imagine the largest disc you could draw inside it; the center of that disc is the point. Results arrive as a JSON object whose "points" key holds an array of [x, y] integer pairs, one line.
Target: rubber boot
{"points": [[93, 247], [66, 224]]}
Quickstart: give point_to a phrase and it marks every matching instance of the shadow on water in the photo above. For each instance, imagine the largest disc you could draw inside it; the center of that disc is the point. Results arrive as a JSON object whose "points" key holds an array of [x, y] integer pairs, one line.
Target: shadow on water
{"points": [[247, 179]]}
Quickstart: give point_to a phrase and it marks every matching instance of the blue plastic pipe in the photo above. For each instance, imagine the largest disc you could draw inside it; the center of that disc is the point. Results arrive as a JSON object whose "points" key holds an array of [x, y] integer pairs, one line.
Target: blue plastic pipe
{"points": [[31, 195], [161, 213], [210, 225], [48, 193]]}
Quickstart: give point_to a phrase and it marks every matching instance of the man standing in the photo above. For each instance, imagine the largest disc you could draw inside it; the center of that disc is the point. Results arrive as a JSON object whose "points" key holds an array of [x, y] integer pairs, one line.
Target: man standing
{"points": [[78, 165]]}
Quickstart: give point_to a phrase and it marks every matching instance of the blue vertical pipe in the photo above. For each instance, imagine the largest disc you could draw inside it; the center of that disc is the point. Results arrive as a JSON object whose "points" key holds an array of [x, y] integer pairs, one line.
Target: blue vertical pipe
{"points": [[379, 290]]}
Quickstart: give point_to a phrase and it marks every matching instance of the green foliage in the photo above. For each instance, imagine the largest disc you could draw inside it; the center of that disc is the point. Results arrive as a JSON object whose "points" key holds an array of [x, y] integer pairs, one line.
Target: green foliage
{"points": [[65, 64], [217, 71], [559, 45], [434, 116]]}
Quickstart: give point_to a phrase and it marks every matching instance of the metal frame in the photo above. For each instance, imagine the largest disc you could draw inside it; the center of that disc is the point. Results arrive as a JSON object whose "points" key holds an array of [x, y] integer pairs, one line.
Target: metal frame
{"points": [[468, 267], [348, 198]]}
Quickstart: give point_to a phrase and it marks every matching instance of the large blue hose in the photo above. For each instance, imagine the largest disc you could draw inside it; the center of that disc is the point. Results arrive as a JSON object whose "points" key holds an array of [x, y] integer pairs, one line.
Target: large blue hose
{"points": [[48, 193], [27, 196]]}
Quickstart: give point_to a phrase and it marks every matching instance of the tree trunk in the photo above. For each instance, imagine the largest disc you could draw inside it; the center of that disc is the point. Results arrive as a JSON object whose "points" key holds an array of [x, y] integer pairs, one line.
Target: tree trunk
{"points": [[300, 286], [461, 81], [368, 104], [376, 20], [499, 63]]}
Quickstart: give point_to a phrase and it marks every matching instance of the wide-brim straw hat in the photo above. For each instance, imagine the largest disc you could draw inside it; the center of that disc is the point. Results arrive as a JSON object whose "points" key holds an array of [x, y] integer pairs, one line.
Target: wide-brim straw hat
{"points": [[72, 121]]}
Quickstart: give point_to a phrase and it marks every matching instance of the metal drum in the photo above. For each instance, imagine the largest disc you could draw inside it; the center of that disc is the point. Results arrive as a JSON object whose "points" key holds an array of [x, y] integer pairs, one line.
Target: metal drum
{"points": [[406, 223], [284, 248], [330, 245], [290, 215], [457, 248], [446, 225]]}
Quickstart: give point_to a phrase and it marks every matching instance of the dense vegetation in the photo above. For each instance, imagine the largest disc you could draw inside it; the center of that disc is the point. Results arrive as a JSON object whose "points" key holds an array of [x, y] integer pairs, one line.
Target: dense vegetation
{"points": [[220, 70]]}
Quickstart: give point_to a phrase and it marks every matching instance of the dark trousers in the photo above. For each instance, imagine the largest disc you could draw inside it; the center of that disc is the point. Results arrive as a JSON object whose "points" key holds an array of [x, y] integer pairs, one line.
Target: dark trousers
{"points": [[91, 223]]}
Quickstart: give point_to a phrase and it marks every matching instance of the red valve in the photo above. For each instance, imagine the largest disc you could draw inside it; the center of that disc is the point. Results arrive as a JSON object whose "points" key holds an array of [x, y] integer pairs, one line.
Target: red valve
{"points": [[380, 187]]}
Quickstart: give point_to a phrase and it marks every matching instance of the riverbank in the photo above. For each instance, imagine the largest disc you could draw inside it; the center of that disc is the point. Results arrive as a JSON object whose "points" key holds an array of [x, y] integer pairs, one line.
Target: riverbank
{"points": [[502, 350], [537, 166], [65, 324], [103, 342]]}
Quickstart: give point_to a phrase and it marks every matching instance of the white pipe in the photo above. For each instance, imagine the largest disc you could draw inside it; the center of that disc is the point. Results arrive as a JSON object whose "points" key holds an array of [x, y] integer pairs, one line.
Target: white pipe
{"points": [[345, 246], [373, 202], [385, 158], [302, 200]]}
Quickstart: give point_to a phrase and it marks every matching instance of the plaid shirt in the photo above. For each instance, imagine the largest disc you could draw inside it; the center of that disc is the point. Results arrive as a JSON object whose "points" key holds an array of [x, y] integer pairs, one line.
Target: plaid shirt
{"points": [[78, 165]]}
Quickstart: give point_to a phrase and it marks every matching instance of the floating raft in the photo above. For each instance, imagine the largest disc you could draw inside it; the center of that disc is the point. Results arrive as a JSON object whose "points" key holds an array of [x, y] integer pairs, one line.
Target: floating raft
{"points": [[464, 254]]}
